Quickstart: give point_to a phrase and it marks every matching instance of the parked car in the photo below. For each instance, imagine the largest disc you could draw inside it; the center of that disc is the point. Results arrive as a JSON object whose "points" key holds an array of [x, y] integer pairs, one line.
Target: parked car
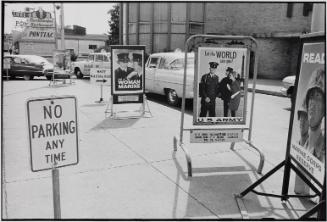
{"points": [[94, 60], [28, 66], [164, 73], [288, 87]]}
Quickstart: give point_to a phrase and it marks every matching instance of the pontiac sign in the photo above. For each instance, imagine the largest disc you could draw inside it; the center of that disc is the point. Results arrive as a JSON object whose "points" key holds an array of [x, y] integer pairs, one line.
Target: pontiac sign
{"points": [[39, 34]]}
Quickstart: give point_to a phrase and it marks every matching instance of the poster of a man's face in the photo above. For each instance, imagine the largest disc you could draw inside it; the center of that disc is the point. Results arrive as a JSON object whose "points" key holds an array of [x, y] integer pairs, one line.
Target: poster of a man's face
{"points": [[128, 70], [220, 86], [308, 137]]}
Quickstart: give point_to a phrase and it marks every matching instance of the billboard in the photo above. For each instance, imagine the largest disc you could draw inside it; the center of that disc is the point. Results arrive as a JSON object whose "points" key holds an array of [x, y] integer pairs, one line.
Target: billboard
{"points": [[220, 86], [308, 146]]}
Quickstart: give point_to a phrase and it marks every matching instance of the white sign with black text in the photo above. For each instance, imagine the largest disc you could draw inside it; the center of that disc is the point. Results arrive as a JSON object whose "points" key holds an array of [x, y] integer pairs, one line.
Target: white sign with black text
{"points": [[100, 76], [53, 132], [215, 135]]}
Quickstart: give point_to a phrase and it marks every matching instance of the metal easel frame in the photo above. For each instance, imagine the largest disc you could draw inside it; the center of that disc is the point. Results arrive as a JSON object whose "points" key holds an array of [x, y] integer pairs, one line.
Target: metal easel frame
{"points": [[179, 142], [110, 110], [318, 188]]}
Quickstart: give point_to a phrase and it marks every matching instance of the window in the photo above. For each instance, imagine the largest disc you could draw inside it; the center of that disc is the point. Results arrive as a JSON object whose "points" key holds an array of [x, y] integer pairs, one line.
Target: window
{"points": [[177, 64], [105, 58], [163, 64], [289, 10], [90, 58], [153, 62], [307, 8], [99, 58], [92, 46], [17, 60]]}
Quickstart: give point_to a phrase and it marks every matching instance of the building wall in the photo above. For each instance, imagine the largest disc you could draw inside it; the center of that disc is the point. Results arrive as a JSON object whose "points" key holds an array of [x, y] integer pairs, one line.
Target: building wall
{"points": [[80, 46], [36, 48], [166, 26], [249, 18]]}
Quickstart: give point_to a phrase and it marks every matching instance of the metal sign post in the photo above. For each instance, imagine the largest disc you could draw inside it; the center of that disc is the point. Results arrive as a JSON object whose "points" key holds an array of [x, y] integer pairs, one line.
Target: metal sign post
{"points": [[214, 133], [56, 192], [6, 66]]}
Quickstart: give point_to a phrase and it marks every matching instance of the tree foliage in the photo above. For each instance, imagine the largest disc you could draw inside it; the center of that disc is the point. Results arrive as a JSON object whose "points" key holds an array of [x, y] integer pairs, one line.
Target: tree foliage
{"points": [[114, 25]]}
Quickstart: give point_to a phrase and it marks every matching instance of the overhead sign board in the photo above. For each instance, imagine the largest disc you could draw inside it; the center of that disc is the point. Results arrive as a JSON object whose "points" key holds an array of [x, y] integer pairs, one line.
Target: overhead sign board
{"points": [[100, 76], [53, 132], [215, 135]]}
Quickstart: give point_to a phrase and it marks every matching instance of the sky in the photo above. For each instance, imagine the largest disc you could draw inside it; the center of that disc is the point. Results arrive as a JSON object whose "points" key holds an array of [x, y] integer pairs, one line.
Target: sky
{"points": [[93, 16]]}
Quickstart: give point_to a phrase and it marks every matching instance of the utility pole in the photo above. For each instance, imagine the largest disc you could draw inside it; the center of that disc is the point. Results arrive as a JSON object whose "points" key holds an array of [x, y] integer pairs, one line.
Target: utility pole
{"points": [[55, 25], [62, 26]]}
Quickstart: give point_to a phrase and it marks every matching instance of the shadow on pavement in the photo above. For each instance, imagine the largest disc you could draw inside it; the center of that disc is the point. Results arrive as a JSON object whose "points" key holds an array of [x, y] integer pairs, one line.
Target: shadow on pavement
{"points": [[110, 123], [214, 192], [162, 101]]}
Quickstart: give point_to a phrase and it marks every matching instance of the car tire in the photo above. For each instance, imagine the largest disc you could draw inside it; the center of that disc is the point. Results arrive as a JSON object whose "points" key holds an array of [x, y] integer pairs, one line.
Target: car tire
{"points": [[172, 97], [78, 73], [27, 77]]}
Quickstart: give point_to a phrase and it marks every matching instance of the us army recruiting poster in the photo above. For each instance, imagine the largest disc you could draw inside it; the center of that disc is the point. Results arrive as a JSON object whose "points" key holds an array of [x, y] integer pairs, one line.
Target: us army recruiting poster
{"points": [[221, 86], [308, 146]]}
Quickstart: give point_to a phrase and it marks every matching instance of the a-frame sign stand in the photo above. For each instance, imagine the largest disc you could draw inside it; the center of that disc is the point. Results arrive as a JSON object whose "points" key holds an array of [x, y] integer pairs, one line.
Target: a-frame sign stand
{"points": [[128, 82], [178, 141], [144, 111], [310, 43]]}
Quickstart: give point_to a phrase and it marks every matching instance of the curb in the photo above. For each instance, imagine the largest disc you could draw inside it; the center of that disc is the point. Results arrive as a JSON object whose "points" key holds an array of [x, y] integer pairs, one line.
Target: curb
{"points": [[272, 93]]}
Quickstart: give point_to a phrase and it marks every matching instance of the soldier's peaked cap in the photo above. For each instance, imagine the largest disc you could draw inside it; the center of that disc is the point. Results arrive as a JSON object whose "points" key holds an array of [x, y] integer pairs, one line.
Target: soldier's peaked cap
{"points": [[213, 65], [123, 57]]}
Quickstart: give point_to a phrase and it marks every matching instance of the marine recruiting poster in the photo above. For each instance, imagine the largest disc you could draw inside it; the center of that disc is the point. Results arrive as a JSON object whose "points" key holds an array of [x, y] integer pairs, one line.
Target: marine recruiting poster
{"points": [[308, 141], [127, 69], [61, 61], [220, 86]]}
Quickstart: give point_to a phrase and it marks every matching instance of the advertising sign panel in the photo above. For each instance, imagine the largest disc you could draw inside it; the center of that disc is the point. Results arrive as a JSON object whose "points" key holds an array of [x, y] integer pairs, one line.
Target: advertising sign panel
{"points": [[214, 135], [61, 61], [47, 34], [127, 69], [308, 141], [100, 76], [220, 86], [53, 132]]}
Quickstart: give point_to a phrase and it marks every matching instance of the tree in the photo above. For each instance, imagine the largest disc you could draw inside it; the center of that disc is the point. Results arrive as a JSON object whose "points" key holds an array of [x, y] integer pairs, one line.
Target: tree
{"points": [[113, 34]]}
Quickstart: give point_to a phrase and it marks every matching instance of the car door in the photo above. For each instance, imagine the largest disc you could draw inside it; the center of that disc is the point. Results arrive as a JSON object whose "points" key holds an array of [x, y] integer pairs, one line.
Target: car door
{"points": [[150, 72], [31, 68]]}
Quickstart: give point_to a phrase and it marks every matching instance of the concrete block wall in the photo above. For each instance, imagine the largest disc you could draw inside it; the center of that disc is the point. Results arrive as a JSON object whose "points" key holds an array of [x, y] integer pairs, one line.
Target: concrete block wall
{"points": [[249, 18]]}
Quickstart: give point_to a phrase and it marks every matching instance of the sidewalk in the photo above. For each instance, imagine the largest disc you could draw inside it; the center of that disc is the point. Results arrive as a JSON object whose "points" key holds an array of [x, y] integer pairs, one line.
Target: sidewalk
{"points": [[128, 170]]}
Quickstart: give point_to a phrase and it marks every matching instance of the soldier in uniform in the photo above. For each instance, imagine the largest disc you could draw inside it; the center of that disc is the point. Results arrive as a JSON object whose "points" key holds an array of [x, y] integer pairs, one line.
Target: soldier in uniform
{"points": [[123, 70], [209, 87], [138, 67]]}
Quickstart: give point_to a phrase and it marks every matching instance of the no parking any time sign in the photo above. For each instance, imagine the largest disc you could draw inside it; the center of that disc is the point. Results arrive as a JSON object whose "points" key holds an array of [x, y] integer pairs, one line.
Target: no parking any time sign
{"points": [[53, 132]]}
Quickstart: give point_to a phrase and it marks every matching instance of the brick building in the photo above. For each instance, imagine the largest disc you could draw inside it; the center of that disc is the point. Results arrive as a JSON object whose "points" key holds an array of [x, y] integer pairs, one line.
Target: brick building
{"points": [[276, 27]]}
